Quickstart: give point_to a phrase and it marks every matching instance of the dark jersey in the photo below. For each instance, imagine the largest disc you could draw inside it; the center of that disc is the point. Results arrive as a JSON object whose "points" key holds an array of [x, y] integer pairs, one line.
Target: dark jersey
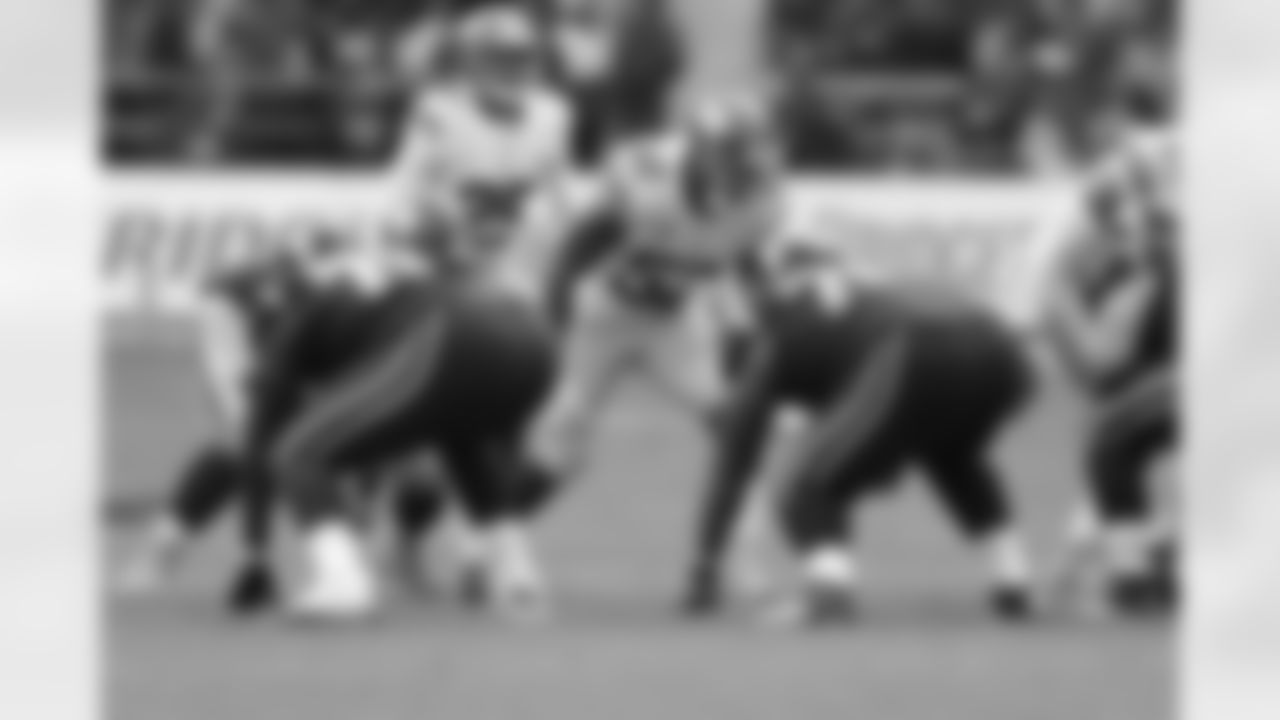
{"points": [[806, 354], [1158, 340], [1096, 273], [266, 296], [339, 327], [814, 349], [305, 333]]}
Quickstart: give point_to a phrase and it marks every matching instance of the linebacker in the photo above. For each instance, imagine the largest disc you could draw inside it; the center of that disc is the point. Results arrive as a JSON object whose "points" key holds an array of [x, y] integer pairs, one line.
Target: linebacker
{"points": [[639, 287]]}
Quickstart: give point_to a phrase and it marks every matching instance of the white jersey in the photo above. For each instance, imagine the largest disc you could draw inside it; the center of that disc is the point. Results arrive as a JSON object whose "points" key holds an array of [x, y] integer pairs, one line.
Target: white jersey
{"points": [[677, 234], [369, 267], [459, 158], [1143, 168]]}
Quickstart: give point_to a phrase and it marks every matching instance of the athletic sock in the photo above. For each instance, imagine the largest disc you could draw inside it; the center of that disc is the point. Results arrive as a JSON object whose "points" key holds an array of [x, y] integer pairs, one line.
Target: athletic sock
{"points": [[340, 568], [1008, 560], [830, 566]]}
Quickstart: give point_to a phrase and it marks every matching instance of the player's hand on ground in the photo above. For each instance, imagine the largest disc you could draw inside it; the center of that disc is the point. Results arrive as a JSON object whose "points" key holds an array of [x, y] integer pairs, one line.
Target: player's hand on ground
{"points": [[703, 595]]}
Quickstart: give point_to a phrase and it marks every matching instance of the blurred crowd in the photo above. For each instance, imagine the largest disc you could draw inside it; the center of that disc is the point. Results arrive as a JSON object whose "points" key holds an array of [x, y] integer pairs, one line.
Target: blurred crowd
{"points": [[326, 82], [885, 85], [969, 85]]}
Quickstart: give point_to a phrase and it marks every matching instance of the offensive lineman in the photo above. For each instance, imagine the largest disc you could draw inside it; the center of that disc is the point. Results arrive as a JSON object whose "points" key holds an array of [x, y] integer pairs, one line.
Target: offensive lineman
{"points": [[245, 309], [892, 377], [273, 332]]}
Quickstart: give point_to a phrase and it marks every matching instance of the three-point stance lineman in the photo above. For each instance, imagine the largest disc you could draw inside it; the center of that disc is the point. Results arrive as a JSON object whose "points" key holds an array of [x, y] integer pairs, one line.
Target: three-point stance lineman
{"points": [[245, 312], [892, 377], [274, 332]]}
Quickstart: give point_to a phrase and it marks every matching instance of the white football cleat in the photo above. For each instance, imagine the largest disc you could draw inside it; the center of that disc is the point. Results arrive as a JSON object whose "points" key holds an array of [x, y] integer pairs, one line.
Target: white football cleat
{"points": [[519, 589], [827, 594], [342, 586]]}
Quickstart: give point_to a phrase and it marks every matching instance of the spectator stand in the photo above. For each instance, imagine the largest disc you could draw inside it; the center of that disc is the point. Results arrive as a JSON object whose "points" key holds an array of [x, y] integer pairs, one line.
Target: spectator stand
{"points": [[969, 86], [324, 83]]}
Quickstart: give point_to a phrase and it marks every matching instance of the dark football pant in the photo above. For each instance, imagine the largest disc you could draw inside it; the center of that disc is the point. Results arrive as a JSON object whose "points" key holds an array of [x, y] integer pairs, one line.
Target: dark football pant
{"points": [[219, 477], [465, 378], [1133, 427], [208, 485], [935, 397], [418, 507]]}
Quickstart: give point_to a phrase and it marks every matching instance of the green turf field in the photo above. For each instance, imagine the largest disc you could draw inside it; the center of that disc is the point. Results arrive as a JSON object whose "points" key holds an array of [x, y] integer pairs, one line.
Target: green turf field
{"points": [[924, 651]]}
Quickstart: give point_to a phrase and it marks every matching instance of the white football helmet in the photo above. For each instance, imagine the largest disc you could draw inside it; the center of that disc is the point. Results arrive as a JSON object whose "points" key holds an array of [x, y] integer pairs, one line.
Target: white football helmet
{"points": [[499, 51]]}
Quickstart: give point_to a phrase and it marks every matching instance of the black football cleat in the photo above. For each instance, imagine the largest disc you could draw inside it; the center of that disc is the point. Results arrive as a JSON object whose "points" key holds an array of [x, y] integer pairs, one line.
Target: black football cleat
{"points": [[826, 606], [1139, 596], [1012, 603], [254, 590], [705, 594]]}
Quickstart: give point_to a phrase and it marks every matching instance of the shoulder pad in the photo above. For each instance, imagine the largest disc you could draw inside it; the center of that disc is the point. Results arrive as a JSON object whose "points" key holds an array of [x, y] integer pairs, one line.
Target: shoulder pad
{"points": [[551, 104]]}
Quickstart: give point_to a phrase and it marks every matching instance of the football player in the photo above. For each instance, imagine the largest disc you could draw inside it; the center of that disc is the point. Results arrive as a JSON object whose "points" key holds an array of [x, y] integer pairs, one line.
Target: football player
{"points": [[489, 147], [272, 331], [245, 309], [482, 157], [1114, 316], [641, 286], [890, 377]]}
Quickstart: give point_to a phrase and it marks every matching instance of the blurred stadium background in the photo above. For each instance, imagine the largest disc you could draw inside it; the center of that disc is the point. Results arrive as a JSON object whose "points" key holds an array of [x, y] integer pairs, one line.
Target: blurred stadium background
{"points": [[905, 86]]}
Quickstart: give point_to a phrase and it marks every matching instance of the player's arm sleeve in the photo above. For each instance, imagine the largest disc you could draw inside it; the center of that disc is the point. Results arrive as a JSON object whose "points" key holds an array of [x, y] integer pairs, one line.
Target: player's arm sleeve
{"points": [[743, 435], [226, 359]]}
